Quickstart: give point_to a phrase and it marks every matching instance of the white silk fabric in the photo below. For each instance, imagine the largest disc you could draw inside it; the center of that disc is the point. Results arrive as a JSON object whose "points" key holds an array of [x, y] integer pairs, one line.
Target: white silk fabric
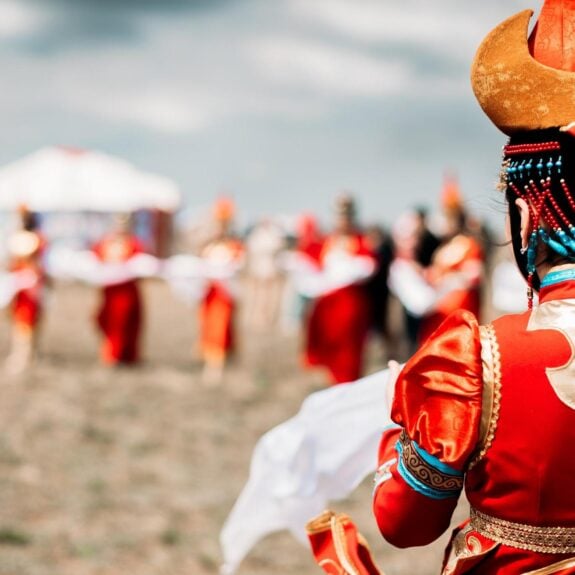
{"points": [[321, 454]]}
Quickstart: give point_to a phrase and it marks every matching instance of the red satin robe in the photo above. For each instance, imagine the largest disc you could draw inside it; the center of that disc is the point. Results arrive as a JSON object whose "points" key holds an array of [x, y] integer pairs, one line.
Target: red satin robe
{"points": [[217, 309], [120, 314], [339, 321], [460, 255], [490, 410]]}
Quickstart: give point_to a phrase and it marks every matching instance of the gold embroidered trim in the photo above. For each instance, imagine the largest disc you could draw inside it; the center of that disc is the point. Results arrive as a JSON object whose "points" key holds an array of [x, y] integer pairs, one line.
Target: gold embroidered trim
{"points": [[555, 568], [491, 404], [338, 532], [521, 536], [424, 472]]}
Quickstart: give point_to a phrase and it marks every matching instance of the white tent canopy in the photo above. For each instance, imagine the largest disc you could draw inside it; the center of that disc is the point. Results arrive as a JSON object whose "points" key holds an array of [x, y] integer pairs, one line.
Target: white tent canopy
{"points": [[69, 179]]}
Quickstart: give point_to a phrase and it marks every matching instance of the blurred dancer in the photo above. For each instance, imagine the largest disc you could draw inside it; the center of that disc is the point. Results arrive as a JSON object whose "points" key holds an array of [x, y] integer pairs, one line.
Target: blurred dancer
{"points": [[264, 246], [339, 318], [309, 237], [427, 241], [415, 244], [304, 249], [457, 265], [26, 248], [490, 409], [218, 307], [377, 286], [120, 314]]}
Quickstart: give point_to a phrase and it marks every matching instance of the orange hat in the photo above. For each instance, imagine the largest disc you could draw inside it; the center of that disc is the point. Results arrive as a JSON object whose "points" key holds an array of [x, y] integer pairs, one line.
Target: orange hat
{"points": [[451, 196], [224, 209], [525, 85]]}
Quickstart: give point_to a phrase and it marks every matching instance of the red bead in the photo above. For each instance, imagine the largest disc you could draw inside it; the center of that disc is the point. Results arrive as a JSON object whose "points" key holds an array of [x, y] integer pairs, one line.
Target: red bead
{"points": [[518, 149]]}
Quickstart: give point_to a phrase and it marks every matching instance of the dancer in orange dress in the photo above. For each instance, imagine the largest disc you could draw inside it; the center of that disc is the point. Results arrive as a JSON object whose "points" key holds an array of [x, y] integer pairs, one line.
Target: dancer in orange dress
{"points": [[339, 319], [26, 248], [120, 314], [490, 409], [222, 257], [458, 261]]}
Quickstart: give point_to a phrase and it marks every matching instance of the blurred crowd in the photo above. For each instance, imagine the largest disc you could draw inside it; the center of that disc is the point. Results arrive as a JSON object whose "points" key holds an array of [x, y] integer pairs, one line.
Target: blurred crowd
{"points": [[338, 287]]}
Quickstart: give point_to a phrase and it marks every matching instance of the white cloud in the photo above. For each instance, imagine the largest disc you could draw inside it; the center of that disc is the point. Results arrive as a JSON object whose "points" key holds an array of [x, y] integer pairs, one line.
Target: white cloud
{"points": [[451, 27], [19, 19], [163, 111], [326, 69], [290, 73]]}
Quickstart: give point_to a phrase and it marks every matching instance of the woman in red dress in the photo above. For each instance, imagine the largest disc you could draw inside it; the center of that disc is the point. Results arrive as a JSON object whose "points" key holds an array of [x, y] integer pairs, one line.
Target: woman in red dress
{"points": [[490, 409], [120, 314], [26, 248], [339, 320]]}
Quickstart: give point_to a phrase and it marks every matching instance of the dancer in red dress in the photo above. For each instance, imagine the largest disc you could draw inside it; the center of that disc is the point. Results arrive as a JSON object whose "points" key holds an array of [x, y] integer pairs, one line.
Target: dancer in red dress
{"points": [[340, 318], [26, 248], [490, 409], [120, 314]]}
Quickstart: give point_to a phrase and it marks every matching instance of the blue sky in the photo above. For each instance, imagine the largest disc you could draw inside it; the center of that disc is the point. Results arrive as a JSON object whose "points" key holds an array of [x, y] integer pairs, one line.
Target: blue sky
{"points": [[282, 103]]}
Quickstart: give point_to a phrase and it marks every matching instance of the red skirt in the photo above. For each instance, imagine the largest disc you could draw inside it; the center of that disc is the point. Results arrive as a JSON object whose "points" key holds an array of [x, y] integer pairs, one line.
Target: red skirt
{"points": [[27, 308], [337, 332], [120, 320], [216, 323]]}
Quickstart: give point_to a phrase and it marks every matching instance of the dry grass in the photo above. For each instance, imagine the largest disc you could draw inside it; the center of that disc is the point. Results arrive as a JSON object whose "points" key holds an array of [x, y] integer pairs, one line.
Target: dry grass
{"points": [[133, 471]]}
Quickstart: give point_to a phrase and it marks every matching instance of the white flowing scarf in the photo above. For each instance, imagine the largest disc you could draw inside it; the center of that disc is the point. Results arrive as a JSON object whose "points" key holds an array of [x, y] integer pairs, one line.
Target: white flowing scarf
{"points": [[321, 454]]}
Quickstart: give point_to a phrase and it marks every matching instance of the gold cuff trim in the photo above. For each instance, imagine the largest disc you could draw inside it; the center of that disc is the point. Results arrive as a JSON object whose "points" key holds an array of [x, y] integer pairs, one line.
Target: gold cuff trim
{"points": [[443, 484], [522, 536], [555, 568], [491, 401]]}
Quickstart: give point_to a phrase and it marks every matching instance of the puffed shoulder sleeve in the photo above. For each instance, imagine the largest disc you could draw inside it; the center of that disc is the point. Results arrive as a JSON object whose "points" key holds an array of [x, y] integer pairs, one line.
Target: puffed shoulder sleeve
{"points": [[438, 399], [437, 414]]}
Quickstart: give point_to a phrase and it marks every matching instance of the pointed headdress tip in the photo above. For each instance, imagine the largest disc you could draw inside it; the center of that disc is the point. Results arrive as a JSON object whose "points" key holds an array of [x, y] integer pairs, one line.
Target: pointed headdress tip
{"points": [[224, 209], [515, 91], [451, 195]]}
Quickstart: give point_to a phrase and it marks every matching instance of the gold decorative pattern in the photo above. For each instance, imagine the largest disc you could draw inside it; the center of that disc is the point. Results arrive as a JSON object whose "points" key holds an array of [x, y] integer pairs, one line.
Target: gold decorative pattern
{"points": [[522, 536], [555, 568], [460, 548], [338, 532], [491, 403], [465, 545], [426, 473]]}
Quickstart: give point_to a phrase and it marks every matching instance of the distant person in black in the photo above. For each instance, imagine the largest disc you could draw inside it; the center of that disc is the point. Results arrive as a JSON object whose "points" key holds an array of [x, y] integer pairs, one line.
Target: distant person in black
{"points": [[426, 245], [428, 242], [382, 248]]}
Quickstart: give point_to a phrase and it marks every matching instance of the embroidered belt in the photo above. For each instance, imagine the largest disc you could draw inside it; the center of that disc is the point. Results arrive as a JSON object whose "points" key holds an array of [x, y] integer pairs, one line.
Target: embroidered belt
{"points": [[521, 536]]}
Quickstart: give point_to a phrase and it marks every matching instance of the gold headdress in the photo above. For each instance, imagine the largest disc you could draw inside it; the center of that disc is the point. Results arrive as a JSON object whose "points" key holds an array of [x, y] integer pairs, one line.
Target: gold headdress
{"points": [[527, 88], [525, 85]]}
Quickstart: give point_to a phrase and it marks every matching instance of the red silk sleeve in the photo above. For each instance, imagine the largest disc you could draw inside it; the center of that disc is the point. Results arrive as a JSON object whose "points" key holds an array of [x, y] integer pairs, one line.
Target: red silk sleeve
{"points": [[437, 409], [405, 517], [439, 392]]}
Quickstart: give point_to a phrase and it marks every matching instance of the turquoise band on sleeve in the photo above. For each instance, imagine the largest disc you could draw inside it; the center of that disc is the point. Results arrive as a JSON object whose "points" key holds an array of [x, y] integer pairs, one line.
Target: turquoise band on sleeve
{"points": [[424, 473]]}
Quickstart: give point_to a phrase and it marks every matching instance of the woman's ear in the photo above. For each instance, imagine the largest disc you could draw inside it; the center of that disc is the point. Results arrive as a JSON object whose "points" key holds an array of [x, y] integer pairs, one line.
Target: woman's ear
{"points": [[526, 221]]}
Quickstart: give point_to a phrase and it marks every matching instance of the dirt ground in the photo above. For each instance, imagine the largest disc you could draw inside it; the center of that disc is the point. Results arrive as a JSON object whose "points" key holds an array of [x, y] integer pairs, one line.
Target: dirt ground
{"points": [[133, 471]]}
